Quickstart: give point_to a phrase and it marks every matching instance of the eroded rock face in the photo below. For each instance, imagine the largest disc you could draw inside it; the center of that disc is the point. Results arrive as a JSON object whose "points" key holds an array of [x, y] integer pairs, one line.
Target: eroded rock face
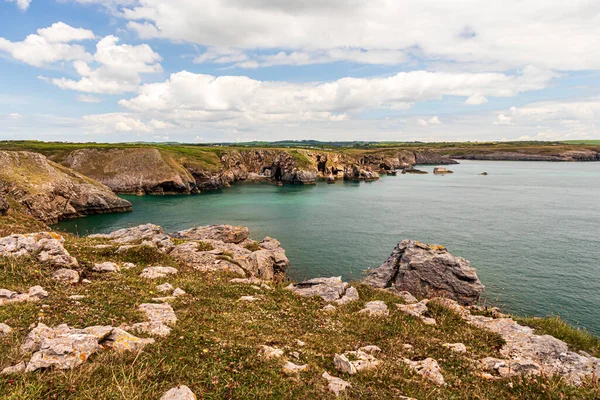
{"points": [[223, 233], [427, 271], [66, 348], [50, 192], [47, 247], [149, 234]]}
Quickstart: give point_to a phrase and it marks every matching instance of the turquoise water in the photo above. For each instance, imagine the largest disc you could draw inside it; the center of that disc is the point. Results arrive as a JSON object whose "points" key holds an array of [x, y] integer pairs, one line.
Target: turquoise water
{"points": [[532, 230]]}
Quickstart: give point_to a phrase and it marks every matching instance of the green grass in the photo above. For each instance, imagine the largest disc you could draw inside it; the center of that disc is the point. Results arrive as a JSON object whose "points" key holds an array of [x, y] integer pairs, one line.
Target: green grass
{"points": [[254, 246], [577, 339], [214, 348]]}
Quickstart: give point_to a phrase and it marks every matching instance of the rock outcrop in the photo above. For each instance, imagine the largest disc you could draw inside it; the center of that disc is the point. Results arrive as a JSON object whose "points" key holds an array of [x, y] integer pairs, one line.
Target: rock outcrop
{"points": [[148, 234], [571, 155], [329, 289], [4, 206], [427, 271], [50, 192], [223, 233], [47, 247]]}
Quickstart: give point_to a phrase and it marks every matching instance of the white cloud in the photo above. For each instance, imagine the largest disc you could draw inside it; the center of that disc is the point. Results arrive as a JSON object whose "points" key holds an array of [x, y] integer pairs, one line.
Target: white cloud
{"points": [[432, 121], [22, 4], [121, 122], [553, 34], [119, 68], [83, 98], [187, 97], [14, 116], [49, 45]]}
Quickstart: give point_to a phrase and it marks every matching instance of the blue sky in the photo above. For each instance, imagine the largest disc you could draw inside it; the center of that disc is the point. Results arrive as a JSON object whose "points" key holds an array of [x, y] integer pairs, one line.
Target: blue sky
{"points": [[237, 70]]}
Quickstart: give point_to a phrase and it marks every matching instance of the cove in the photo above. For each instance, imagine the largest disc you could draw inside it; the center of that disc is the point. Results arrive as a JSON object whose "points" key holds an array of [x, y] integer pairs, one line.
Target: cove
{"points": [[532, 229]]}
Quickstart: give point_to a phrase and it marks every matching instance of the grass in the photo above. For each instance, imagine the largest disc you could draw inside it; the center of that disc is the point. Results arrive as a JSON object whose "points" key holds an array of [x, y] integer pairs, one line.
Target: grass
{"points": [[214, 346], [254, 246], [577, 339]]}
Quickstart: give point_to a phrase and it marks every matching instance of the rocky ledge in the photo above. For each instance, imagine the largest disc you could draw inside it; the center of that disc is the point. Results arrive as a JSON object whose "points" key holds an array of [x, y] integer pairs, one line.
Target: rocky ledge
{"points": [[50, 192]]}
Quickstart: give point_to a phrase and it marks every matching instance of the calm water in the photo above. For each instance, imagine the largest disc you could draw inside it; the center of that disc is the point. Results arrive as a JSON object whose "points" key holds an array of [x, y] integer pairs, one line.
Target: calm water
{"points": [[532, 230]]}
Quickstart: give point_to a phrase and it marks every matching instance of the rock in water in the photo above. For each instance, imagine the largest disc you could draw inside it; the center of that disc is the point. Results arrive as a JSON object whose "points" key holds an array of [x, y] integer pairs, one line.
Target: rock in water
{"points": [[442, 171], [179, 393], [428, 271]]}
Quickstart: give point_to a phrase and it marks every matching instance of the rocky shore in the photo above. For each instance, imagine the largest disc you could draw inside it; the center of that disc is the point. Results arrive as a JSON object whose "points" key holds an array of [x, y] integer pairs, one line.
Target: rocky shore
{"points": [[181, 302]]}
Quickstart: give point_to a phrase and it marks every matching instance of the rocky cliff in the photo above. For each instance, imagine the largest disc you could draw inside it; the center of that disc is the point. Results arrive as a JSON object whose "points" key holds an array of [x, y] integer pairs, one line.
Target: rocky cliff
{"points": [[572, 155], [50, 192], [150, 170]]}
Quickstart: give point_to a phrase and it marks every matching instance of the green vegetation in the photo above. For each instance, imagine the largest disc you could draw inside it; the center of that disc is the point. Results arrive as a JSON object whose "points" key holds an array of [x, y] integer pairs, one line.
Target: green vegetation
{"points": [[577, 339], [17, 221], [214, 348], [254, 246]]}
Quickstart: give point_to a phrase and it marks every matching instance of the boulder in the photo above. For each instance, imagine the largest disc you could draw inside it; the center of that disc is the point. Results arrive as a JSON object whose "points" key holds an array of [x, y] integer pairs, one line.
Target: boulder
{"points": [[350, 295], [15, 369], [427, 368], [223, 233], [66, 275], [35, 293], [427, 271], [442, 171], [335, 385], [63, 352], [352, 362], [5, 330], [291, 368], [106, 267], [179, 393], [329, 289]]}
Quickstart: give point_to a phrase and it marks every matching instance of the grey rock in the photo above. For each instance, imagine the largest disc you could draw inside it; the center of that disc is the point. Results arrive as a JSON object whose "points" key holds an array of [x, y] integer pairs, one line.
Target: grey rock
{"points": [[35, 293], [428, 369], [64, 352], [428, 271], [151, 233], [375, 308], [15, 369], [66, 275], [291, 368], [165, 287], [350, 295], [47, 247], [222, 233], [329, 289], [335, 385], [106, 267], [5, 330], [157, 272], [179, 393], [456, 347], [417, 310]]}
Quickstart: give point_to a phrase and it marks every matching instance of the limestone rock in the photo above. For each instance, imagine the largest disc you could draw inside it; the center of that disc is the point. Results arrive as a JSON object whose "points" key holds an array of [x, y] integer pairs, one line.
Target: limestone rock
{"points": [[15, 369], [120, 340], [406, 296], [329, 308], [127, 265], [178, 292], [5, 330], [269, 352], [47, 247], [248, 298], [441, 171], [106, 267], [77, 297], [165, 287], [35, 293], [63, 352], [291, 368], [417, 310], [350, 295], [335, 385], [157, 272], [456, 347], [427, 271], [160, 318], [223, 233], [375, 308], [329, 289], [151, 233], [427, 368], [66, 275], [179, 393], [352, 362]]}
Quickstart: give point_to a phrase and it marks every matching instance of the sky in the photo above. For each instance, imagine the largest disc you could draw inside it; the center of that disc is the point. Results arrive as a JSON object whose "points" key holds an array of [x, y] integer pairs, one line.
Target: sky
{"points": [[240, 70]]}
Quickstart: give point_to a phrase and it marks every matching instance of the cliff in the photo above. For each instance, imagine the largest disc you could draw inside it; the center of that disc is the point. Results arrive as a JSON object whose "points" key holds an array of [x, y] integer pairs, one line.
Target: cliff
{"points": [[50, 192], [191, 170]]}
